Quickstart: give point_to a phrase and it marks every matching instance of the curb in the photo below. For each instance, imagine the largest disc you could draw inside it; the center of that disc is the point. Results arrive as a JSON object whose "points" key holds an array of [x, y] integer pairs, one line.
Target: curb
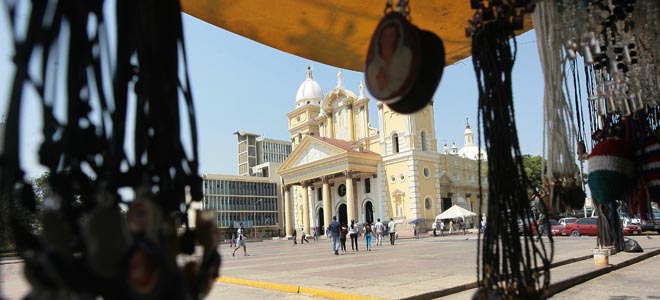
{"points": [[563, 285], [552, 289], [296, 289], [474, 285]]}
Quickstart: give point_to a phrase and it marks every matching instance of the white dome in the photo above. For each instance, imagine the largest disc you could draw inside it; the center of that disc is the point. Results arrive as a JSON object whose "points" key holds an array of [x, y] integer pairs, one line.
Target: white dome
{"points": [[472, 152], [309, 91]]}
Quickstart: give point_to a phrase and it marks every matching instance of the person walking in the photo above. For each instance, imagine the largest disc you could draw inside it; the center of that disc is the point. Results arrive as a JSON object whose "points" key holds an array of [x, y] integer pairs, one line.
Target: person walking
{"points": [[240, 241], [442, 228], [353, 232], [315, 234], [367, 235], [451, 227], [483, 224], [294, 237], [342, 236], [434, 227], [379, 233], [542, 223], [391, 226], [303, 236], [335, 229]]}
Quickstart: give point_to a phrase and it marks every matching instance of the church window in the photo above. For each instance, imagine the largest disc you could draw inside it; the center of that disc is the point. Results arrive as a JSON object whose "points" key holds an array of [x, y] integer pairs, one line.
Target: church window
{"points": [[367, 185], [341, 190], [427, 172], [392, 179], [423, 140], [395, 143], [427, 203], [299, 137], [402, 177]]}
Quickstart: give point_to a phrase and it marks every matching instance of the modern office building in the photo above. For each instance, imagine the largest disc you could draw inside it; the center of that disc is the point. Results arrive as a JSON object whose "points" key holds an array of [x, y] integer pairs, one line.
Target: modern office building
{"points": [[342, 166], [254, 150], [253, 201]]}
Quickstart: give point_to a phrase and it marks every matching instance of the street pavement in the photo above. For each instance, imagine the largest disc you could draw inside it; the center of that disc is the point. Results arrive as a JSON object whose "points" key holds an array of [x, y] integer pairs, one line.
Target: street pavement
{"points": [[425, 268]]}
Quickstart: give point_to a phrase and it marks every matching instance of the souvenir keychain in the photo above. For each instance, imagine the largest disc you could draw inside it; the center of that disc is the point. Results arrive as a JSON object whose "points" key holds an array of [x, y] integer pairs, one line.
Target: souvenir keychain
{"points": [[404, 64]]}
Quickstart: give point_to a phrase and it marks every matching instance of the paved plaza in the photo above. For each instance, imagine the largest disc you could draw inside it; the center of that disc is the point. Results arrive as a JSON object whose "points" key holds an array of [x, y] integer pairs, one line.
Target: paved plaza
{"points": [[425, 268]]}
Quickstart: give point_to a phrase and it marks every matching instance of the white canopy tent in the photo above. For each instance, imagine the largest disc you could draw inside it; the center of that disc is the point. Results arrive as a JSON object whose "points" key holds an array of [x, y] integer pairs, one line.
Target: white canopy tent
{"points": [[454, 212]]}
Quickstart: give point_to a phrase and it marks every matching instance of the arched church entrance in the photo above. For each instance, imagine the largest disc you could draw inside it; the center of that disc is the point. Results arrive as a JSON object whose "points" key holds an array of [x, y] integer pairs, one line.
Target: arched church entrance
{"points": [[343, 214], [319, 217], [369, 212]]}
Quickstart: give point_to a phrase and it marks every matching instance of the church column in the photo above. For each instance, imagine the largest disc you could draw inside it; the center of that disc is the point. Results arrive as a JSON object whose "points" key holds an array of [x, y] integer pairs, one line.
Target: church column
{"points": [[350, 198], [288, 210], [305, 207], [327, 203], [351, 130], [331, 125]]}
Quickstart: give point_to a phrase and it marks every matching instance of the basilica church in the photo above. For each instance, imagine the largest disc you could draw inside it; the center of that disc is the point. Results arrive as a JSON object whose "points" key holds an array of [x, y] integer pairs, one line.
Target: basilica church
{"points": [[342, 166]]}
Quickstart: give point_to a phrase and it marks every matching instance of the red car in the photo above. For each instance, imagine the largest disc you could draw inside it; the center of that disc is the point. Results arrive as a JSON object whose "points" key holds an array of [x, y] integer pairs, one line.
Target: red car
{"points": [[583, 226], [589, 226], [632, 229], [557, 228]]}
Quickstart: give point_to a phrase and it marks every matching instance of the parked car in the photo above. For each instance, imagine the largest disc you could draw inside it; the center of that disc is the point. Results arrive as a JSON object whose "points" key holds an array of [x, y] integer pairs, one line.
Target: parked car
{"points": [[564, 221], [557, 228], [654, 223], [583, 226], [632, 229], [589, 226]]}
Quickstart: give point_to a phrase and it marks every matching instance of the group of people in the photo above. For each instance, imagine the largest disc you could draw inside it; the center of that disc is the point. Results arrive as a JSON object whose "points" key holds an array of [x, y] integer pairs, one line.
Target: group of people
{"points": [[303, 236], [460, 223], [339, 233]]}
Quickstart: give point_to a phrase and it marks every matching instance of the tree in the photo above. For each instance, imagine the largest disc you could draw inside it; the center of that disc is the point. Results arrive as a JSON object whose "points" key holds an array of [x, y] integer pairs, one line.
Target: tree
{"points": [[533, 165]]}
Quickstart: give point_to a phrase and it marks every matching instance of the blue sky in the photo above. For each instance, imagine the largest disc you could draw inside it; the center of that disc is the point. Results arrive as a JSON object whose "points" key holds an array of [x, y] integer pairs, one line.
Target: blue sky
{"points": [[241, 85]]}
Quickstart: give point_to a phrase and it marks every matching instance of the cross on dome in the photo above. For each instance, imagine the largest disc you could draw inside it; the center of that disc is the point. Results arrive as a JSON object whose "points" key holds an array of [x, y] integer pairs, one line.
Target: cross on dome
{"points": [[309, 72]]}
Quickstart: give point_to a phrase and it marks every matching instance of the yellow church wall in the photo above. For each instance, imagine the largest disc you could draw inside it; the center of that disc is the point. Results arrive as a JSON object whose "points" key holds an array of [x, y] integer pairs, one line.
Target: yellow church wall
{"points": [[397, 190], [424, 122], [428, 187]]}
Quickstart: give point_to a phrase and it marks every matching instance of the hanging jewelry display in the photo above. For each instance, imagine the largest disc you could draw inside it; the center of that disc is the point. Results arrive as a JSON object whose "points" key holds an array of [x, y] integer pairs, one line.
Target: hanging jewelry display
{"points": [[404, 63], [618, 39], [86, 249], [561, 176], [511, 267]]}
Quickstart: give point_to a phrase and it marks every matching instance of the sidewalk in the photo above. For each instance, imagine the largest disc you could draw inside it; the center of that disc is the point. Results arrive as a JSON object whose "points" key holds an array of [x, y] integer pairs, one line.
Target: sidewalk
{"points": [[425, 268]]}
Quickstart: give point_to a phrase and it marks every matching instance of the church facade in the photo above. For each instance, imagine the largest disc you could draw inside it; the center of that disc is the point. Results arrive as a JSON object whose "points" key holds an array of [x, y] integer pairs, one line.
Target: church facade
{"points": [[342, 166]]}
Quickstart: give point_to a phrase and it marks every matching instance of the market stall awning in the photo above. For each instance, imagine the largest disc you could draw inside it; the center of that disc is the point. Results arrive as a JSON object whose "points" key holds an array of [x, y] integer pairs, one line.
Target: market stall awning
{"points": [[454, 212], [333, 32]]}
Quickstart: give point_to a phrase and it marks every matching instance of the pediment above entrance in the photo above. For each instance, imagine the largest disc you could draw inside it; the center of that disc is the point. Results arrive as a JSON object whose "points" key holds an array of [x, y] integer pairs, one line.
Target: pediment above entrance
{"points": [[316, 157], [313, 153], [309, 151]]}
